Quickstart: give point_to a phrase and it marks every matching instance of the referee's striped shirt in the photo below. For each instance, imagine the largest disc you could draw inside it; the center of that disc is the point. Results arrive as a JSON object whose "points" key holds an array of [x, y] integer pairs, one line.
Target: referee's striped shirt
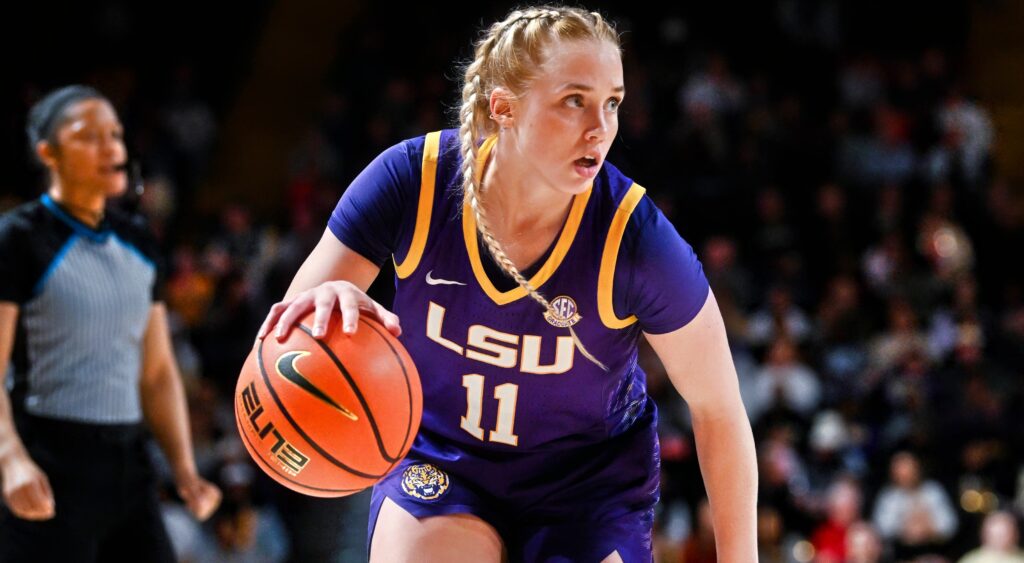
{"points": [[84, 298]]}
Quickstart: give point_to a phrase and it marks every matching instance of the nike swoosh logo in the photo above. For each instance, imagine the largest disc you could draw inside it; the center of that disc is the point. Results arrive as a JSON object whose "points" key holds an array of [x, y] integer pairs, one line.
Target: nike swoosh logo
{"points": [[436, 281], [286, 369]]}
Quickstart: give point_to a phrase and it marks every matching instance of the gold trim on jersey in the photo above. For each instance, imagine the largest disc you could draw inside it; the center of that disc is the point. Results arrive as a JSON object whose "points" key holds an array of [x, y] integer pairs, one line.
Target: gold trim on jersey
{"points": [[606, 278], [568, 234], [412, 258]]}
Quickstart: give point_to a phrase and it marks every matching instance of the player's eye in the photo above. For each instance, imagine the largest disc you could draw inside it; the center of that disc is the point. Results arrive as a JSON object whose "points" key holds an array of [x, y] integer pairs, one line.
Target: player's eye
{"points": [[574, 99]]}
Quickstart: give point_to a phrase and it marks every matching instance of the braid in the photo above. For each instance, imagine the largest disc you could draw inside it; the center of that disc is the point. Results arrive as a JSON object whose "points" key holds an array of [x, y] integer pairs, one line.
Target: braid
{"points": [[499, 254], [534, 14], [473, 126], [471, 94]]}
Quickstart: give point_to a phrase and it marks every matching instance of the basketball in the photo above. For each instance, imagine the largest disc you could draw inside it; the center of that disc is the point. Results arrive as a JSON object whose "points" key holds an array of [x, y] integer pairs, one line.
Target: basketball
{"points": [[329, 417]]}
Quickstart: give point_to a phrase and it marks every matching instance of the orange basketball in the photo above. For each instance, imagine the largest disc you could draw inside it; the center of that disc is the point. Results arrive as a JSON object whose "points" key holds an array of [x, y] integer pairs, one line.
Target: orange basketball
{"points": [[329, 417]]}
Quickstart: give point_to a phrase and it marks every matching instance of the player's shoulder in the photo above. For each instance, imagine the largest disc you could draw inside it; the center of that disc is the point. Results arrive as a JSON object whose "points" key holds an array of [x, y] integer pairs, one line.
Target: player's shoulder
{"points": [[631, 203], [405, 159], [621, 196], [414, 148]]}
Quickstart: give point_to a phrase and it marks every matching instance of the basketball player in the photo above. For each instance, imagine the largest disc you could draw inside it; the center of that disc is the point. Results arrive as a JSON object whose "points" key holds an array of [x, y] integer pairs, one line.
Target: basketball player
{"points": [[527, 269], [92, 357]]}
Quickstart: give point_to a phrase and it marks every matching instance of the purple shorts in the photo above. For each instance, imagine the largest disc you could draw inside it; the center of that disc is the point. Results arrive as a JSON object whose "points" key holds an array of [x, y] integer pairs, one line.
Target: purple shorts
{"points": [[580, 504]]}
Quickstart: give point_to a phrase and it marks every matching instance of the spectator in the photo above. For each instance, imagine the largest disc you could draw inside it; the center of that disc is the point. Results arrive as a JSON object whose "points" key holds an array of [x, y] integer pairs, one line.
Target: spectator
{"points": [[781, 318], [844, 506], [863, 544], [999, 541], [901, 338], [913, 512], [785, 383]]}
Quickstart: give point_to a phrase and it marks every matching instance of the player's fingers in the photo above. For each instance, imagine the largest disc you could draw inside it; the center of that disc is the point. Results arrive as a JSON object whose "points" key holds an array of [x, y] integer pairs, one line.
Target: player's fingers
{"points": [[299, 307], [389, 319], [349, 305], [324, 302], [275, 311]]}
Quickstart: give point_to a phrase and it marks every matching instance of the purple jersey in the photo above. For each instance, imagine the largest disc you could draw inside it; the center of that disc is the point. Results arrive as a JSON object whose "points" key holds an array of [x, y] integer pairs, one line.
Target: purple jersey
{"points": [[498, 373], [519, 428]]}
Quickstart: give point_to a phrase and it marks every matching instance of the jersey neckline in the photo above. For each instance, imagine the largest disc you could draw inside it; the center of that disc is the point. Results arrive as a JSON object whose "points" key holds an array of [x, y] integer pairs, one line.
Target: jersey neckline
{"points": [[554, 259], [98, 234]]}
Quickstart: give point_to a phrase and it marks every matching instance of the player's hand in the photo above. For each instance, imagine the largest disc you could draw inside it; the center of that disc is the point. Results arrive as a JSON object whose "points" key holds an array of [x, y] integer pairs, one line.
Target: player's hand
{"points": [[27, 491], [324, 299], [201, 496]]}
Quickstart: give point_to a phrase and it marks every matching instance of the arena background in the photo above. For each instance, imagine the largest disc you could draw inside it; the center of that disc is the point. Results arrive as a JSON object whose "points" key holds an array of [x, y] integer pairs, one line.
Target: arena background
{"points": [[850, 174]]}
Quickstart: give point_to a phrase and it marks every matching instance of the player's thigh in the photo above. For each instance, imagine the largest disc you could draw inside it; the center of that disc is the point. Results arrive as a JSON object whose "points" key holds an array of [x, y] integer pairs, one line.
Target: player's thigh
{"points": [[399, 536]]}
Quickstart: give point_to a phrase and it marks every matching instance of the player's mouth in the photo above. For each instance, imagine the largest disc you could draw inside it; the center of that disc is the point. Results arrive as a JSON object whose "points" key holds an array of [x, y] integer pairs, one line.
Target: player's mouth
{"points": [[588, 165]]}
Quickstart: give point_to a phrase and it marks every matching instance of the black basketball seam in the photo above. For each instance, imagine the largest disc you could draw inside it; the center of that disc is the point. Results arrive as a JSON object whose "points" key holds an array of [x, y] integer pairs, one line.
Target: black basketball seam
{"points": [[288, 416], [285, 476], [359, 395], [408, 387]]}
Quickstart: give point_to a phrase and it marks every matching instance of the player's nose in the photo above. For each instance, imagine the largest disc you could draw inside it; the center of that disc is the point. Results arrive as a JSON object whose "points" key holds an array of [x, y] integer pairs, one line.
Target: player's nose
{"points": [[597, 127]]}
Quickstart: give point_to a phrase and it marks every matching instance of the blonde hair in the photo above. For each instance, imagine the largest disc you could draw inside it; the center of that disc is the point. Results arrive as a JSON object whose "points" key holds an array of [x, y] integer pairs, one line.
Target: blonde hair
{"points": [[509, 55]]}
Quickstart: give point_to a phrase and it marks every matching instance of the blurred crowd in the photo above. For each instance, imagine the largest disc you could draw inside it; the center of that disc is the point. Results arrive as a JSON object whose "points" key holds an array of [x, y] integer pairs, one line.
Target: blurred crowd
{"points": [[847, 213]]}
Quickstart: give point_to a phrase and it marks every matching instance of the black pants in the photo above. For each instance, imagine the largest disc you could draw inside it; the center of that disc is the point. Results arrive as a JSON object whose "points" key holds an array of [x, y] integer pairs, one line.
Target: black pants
{"points": [[105, 495]]}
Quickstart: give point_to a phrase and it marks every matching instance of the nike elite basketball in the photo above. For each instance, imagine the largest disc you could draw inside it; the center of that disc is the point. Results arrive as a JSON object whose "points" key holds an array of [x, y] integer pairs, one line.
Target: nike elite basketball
{"points": [[329, 417]]}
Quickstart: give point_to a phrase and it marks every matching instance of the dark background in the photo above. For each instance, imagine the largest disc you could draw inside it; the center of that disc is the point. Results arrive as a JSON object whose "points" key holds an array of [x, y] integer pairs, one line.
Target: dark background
{"points": [[804, 149]]}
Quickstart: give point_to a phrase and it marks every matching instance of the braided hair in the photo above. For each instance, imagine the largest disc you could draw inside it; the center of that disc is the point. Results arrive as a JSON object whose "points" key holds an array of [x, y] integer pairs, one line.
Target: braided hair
{"points": [[509, 55]]}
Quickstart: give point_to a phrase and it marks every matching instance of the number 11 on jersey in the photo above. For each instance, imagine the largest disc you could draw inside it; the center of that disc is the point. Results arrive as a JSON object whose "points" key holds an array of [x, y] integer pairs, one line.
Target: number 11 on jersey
{"points": [[506, 395]]}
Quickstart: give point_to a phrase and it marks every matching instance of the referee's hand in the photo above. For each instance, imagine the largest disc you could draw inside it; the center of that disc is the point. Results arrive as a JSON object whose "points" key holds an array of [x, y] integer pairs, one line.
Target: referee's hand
{"points": [[27, 491], [201, 496]]}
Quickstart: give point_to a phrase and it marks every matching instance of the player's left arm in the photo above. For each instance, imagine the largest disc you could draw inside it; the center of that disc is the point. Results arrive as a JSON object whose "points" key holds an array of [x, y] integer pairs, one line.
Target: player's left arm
{"points": [[700, 366], [166, 412]]}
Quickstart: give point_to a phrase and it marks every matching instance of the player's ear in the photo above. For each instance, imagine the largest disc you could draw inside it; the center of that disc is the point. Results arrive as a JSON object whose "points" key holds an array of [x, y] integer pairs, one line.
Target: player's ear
{"points": [[502, 103]]}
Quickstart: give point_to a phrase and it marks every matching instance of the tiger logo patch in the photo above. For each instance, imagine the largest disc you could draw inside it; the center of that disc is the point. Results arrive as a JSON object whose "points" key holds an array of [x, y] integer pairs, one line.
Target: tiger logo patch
{"points": [[424, 481]]}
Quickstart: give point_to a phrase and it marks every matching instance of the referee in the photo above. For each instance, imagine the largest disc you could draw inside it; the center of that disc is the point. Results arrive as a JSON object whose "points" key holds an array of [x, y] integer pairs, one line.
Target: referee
{"points": [[93, 367]]}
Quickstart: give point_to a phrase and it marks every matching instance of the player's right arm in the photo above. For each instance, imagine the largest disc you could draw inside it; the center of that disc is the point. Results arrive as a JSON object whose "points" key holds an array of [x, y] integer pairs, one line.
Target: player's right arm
{"points": [[362, 233], [26, 489], [333, 276]]}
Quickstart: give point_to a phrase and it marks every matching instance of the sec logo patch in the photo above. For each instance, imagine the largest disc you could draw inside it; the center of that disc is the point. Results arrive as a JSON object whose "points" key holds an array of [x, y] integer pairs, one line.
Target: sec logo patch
{"points": [[563, 312]]}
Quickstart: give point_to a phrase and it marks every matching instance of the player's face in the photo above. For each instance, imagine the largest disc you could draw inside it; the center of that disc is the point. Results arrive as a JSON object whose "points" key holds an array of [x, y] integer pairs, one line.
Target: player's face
{"points": [[90, 152], [571, 111]]}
